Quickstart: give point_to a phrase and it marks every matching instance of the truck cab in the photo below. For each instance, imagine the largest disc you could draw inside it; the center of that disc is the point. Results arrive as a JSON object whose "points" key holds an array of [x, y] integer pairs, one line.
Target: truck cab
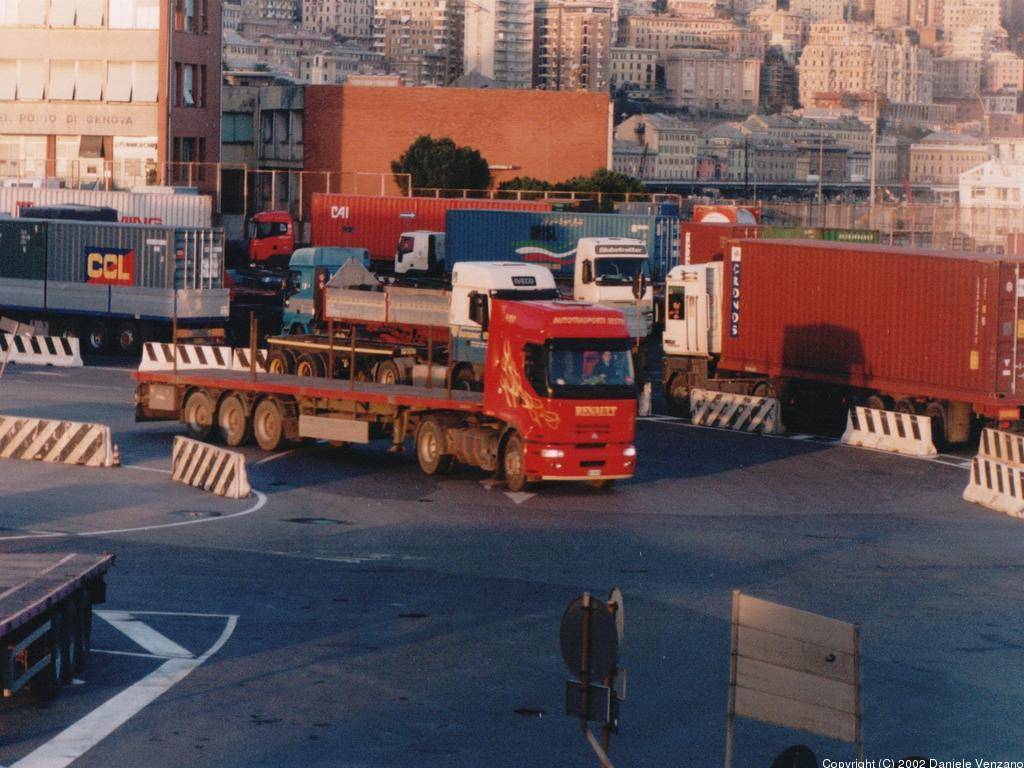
{"points": [[615, 272], [271, 239], [693, 310], [309, 270], [560, 374], [420, 252]]}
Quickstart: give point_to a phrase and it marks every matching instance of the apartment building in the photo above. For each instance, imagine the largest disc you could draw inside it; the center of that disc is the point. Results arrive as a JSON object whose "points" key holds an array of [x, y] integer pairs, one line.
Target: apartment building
{"points": [[702, 80], [572, 45], [498, 41], [670, 145], [665, 32], [420, 40], [953, 78], [941, 157], [634, 69], [348, 19]]}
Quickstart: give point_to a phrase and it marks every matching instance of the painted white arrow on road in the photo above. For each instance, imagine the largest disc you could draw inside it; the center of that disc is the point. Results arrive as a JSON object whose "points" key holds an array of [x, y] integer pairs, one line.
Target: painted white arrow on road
{"points": [[75, 741]]}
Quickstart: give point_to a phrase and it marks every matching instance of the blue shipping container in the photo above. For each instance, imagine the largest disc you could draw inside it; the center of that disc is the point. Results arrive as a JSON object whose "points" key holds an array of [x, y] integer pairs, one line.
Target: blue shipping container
{"points": [[550, 238]]}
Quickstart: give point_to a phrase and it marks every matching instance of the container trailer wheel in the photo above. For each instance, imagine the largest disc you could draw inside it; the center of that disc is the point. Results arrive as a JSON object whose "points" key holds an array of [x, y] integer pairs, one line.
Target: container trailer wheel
{"points": [[937, 413], [513, 464], [430, 444], [309, 365], [96, 337], [268, 424], [198, 414], [905, 405], [678, 395], [232, 424], [388, 373], [879, 402], [129, 338], [281, 362]]}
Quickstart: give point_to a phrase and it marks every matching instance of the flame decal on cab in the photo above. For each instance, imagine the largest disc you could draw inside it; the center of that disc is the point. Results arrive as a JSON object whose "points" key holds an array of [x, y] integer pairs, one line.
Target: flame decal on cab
{"points": [[516, 393]]}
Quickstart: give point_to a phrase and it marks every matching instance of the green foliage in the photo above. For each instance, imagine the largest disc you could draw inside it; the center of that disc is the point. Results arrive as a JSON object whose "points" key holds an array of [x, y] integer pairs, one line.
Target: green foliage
{"points": [[441, 164], [602, 180]]}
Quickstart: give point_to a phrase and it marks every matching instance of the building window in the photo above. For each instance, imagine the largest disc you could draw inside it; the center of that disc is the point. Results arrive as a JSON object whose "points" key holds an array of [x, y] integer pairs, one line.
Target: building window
{"points": [[236, 128], [133, 14], [188, 98], [31, 79], [119, 81], [144, 84], [62, 80]]}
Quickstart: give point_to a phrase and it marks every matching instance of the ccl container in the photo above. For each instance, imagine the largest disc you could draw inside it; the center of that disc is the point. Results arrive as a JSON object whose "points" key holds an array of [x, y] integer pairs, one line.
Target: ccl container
{"points": [[155, 208], [550, 239], [938, 324], [376, 223]]}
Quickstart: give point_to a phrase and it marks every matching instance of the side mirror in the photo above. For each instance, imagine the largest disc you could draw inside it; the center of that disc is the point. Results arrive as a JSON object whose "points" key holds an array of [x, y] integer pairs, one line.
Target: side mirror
{"points": [[588, 272], [639, 284], [479, 309]]}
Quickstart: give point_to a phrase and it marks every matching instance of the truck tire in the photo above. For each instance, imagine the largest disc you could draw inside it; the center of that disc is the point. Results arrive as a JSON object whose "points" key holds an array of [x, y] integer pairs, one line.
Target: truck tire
{"points": [[97, 337], [281, 362], [937, 413], [430, 444], [83, 638], [513, 464], [268, 424], [388, 372], [233, 425], [198, 414], [309, 365], [45, 684], [129, 338], [464, 380], [678, 396]]}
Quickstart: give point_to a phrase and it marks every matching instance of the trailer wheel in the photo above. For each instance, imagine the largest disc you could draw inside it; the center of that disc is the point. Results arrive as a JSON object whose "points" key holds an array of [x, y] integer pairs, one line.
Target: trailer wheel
{"points": [[388, 373], [232, 424], [268, 424], [430, 444], [905, 405], [198, 414], [879, 402], [281, 362], [678, 396], [309, 365], [83, 638], [66, 328], [46, 682], [96, 337], [513, 464], [129, 338], [464, 380]]}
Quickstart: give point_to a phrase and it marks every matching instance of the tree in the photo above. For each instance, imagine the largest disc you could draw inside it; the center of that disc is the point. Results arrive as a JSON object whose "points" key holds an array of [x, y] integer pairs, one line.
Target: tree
{"points": [[440, 164], [601, 180]]}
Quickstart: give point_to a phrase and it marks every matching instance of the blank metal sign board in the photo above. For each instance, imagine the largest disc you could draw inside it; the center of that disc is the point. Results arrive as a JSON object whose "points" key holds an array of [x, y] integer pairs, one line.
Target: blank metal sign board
{"points": [[794, 669]]}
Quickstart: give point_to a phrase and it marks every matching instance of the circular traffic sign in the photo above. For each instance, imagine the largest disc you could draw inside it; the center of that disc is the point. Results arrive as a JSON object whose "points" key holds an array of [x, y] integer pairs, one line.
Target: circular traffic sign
{"points": [[603, 638]]}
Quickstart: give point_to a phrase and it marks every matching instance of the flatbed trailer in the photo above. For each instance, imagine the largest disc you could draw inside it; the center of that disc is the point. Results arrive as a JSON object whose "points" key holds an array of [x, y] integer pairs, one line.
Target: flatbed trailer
{"points": [[528, 424], [46, 618]]}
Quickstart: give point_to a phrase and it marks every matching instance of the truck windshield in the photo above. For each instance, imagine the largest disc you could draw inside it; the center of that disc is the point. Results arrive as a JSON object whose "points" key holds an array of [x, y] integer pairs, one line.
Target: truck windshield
{"points": [[619, 270], [591, 369], [262, 229]]}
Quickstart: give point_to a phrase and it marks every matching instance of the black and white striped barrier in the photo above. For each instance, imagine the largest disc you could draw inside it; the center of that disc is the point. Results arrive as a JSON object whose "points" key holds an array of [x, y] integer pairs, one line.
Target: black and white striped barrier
{"points": [[58, 351], [242, 360], [213, 469], [744, 413], [997, 473], [905, 433], [57, 442], [157, 356]]}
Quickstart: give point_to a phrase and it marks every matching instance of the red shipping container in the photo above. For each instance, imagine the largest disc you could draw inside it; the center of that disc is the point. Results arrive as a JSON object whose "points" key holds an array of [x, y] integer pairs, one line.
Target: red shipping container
{"points": [[703, 242], [947, 326], [375, 223]]}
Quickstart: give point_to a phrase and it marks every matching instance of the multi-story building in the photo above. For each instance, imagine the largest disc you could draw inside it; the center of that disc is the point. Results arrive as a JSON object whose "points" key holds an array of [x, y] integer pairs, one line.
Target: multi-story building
{"points": [[1004, 69], [630, 158], [284, 11], [939, 158], [334, 67], [420, 40], [963, 14], [694, 9], [820, 10], [665, 32], [128, 93], [622, 11], [705, 80], [634, 69], [778, 82], [670, 144], [498, 41], [785, 30], [231, 16], [721, 154], [349, 19], [847, 58], [953, 78], [976, 42], [572, 45], [894, 14]]}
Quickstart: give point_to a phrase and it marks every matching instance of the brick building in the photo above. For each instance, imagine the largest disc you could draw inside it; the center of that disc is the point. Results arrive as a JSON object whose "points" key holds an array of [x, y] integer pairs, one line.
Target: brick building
{"points": [[547, 135]]}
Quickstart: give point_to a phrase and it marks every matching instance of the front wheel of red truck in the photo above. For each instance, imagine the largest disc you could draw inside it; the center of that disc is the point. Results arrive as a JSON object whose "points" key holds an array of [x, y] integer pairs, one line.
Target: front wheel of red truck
{"points": [[430, 445], [513, 464]]}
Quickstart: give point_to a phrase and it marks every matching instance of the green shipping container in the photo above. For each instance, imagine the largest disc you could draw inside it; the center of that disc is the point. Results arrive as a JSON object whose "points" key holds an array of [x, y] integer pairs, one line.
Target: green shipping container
{"points": [[22, 250], [851, 235]]}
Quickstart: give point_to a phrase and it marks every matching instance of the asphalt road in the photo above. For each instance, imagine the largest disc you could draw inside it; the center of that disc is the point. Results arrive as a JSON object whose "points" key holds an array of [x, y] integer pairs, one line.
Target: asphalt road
{"points": [[357, 613]]}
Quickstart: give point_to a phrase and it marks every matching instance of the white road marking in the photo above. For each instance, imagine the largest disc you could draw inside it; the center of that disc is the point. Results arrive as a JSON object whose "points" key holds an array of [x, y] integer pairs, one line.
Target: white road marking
{"points": [[147, 469], [75, 741], [261, 500], [144, 635], [519, 497], [276, 456], [44, 373]]}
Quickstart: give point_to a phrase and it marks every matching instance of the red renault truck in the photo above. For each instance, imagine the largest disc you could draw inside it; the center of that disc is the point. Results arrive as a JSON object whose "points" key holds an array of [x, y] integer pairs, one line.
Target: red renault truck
{"points": [[824, 325], [558, 401]]}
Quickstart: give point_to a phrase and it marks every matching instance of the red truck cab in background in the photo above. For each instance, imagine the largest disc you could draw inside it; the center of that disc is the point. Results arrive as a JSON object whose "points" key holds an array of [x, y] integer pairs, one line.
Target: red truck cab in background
{"points": [[271, 239]]}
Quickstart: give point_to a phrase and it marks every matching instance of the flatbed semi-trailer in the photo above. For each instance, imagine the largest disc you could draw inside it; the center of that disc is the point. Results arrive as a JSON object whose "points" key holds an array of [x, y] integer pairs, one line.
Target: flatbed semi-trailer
{"points": [[46, 617], [558, 401]]}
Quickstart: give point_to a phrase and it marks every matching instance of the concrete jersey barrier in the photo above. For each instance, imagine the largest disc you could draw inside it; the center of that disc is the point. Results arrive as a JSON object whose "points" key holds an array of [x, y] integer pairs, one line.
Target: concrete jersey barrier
{"points": [[997, 473], [213, 469], [744, 413], [57, 442], [904, 433], [58, 351]]}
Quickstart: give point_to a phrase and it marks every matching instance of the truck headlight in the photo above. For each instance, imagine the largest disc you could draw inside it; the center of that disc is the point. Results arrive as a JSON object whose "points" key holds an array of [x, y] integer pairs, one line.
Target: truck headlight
{"points": [[552, 453], [631, 451]]}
